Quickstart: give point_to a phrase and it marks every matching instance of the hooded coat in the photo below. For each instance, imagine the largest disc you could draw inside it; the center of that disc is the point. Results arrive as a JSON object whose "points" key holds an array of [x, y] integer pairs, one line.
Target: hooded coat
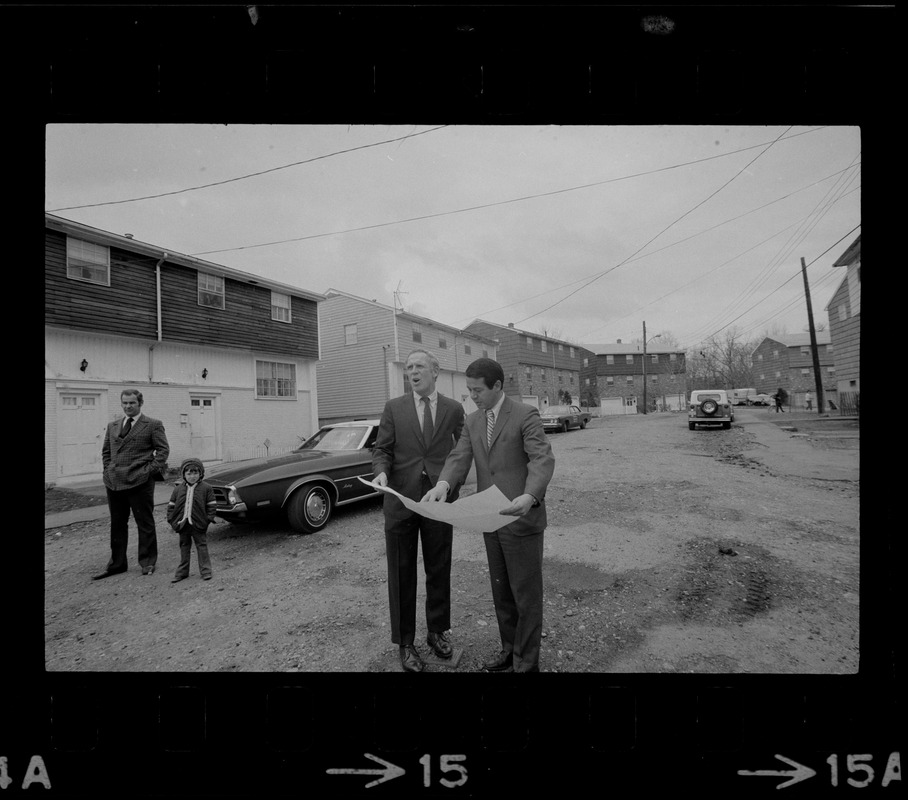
{"points": [[204, 505]]}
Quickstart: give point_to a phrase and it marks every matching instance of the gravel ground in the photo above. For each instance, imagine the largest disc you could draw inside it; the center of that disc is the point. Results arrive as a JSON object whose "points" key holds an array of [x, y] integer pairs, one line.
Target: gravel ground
{"points": [[667, 551]]}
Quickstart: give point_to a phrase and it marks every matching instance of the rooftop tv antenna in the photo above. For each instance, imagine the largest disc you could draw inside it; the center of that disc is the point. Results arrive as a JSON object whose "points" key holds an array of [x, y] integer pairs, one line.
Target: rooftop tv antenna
{"points": [[398, 305]]}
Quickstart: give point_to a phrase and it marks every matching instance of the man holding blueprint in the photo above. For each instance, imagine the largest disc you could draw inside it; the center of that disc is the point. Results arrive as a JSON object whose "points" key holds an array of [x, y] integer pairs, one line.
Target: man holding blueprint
{"points": [[505, 440]]}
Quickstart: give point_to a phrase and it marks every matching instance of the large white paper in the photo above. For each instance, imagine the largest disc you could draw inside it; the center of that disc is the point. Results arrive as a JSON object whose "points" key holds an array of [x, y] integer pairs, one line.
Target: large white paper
{"points": [[478, 512]]}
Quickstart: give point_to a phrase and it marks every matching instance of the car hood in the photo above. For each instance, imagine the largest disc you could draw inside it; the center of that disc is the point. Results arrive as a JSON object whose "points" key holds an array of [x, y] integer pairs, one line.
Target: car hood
{"points": [[304, 460]]}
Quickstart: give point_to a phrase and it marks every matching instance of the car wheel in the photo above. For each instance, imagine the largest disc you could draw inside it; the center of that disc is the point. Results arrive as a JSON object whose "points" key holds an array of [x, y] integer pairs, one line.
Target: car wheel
{"points": [[310, 508], [565, 426], [582, 424], [709, 407]]}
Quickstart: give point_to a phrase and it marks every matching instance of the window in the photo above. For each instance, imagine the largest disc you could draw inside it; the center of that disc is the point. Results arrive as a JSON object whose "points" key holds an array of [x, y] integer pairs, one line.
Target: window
{"points": [[843, 313], [805, 372], [572, 379], [572, 352], [805, 351], [211, 290], [655, 358], [560, 378], [654, 378], [629, 379], [608, 360], [528, 374], [560, 348], [759, 356], [417, 332], [829, 349], [87, 262], [530, 342], [275, 379], [586, 362], [775, 353], [467, 350], [280, 307], [609, 380], [485, 353], [672, 356], [830, 370], [442, 343], [542, 345], [350, 336], [629, 358], [542, 373]]}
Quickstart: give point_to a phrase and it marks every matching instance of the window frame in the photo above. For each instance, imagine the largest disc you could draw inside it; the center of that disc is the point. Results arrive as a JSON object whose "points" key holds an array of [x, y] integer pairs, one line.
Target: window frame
{"points": [[277, 309], [85, 264], [289, 392], [206, 290], [348, 338]]}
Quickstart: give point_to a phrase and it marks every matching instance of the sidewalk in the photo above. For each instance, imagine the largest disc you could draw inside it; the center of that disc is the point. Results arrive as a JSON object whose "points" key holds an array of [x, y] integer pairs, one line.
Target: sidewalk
{"points": [[162, 492]]}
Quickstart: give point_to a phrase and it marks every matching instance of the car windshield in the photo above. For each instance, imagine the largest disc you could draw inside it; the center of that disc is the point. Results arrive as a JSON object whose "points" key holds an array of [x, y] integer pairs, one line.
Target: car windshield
{"points": [[336, 438], [559, 410], [707, 396]]}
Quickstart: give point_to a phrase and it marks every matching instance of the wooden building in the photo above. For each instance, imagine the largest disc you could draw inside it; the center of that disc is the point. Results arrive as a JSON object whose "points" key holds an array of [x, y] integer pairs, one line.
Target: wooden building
{"points": [[538, 369], [365, 345], [844, 313], [226, 359], [614, 375]]}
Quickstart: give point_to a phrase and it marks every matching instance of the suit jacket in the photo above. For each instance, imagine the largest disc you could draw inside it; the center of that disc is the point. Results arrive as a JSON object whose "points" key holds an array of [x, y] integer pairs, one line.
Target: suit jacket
{"points": [[131, 461], [519, 460], [402, 455]]}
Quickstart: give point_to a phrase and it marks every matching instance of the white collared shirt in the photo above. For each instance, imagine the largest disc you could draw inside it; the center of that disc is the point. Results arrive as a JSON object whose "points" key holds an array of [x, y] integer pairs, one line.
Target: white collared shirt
{"points": [[420, 406], [134, 419], [496, 409]]}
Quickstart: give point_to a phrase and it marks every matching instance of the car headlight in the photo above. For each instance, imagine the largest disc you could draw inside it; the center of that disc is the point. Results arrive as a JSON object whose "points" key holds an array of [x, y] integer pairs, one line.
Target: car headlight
{"points": [[233, 496]]}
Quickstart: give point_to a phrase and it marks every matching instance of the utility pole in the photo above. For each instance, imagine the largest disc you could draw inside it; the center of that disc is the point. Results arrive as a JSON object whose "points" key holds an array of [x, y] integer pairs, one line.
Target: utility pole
{"points": [[818, 379], [644, 366]]}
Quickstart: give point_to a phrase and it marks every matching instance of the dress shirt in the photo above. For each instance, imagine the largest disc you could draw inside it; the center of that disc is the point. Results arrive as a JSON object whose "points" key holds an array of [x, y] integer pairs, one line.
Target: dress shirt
{"points": [[135, 419], [420, 406]]}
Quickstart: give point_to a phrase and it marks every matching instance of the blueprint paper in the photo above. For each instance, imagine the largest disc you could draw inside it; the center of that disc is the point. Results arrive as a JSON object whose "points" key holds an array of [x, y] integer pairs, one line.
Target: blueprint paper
{"points": [[478, 512]]}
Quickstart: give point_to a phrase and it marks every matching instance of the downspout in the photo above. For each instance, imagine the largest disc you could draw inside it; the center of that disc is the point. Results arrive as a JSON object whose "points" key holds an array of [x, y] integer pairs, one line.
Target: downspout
{"points": [[157, 278]]}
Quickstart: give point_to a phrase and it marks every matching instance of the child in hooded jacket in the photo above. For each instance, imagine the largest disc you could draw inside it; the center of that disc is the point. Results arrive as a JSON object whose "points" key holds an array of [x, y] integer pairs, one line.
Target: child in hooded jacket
{"points": [[190, 511]]}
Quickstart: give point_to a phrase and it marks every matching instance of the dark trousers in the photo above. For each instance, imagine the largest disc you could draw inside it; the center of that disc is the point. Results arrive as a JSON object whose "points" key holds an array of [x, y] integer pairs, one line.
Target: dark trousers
{"points": [[515, 570], [140, 501], [188, 535], [402, 538]]}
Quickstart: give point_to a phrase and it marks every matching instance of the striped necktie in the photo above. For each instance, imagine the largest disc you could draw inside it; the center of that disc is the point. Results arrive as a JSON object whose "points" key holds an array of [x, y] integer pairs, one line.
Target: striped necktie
{"points": [[490, 425], [427, 427]]}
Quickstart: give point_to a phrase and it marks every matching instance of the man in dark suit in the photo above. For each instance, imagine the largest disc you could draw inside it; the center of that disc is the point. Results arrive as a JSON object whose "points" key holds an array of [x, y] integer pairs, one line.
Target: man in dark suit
{"points": [[416, 433], [134, 453], [506, 441]]}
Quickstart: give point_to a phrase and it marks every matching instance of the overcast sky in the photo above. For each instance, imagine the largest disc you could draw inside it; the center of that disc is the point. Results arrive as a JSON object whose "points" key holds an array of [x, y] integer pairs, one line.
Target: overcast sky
{"points": [[584, 232]]}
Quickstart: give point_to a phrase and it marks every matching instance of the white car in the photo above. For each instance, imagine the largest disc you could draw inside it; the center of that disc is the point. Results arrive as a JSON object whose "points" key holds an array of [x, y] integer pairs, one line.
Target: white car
{"points": [[709, 407]]}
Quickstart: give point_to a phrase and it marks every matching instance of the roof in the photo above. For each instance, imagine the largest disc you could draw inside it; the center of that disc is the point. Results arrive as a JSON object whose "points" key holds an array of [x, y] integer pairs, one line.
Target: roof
{"points": [[627, 348], [156, 251], [520, 332], [799, 339], [329, 293], [852, 254]]}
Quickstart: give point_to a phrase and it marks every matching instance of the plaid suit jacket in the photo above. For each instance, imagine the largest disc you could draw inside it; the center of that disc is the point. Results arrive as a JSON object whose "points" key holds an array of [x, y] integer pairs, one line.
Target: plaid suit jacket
{"points": [[131, 461]]}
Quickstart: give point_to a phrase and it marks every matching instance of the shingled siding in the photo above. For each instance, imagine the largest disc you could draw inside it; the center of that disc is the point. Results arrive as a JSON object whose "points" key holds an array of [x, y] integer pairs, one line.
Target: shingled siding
{"points": [[245, 321], [128, 306]]}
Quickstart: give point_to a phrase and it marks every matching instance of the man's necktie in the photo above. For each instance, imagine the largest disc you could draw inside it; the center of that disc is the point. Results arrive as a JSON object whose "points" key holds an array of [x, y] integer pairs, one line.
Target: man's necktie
{"points": [[490, 425], [427, 427], [127, 427]]}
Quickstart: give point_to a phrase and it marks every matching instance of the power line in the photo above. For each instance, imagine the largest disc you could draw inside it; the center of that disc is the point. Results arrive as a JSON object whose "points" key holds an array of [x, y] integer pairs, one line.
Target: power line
{"points": [[251, 174]]}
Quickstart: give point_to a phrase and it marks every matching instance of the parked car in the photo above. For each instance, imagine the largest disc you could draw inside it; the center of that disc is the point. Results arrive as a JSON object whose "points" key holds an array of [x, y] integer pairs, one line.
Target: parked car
{"points": [[709, 407], [742, 397], [760, 400], [563, 418], [306, 484]]}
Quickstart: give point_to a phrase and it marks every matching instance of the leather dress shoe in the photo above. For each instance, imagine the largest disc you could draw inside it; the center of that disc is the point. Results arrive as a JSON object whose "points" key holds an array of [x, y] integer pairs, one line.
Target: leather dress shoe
{"points": [[106, 574], [440, 644], [410, 660], [504, 663], [178, 578]]}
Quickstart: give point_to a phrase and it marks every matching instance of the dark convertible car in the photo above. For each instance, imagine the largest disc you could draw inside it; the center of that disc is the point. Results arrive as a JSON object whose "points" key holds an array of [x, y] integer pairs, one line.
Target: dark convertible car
{"points": [[305, 484]]}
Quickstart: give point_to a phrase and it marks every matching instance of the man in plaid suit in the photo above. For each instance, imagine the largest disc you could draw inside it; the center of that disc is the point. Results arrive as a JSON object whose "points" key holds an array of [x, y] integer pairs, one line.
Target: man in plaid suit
{"points": [[135, 452]]}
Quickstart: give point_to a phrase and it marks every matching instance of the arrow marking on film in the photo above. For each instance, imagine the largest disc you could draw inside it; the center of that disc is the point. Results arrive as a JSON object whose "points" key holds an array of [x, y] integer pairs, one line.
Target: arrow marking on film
{"points": [[388, 772], [799, 773]]}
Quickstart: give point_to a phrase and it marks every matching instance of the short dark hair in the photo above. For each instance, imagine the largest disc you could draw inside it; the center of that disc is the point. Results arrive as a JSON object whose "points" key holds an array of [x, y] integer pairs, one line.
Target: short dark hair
{"points": [[487, 369], [135, 392]]}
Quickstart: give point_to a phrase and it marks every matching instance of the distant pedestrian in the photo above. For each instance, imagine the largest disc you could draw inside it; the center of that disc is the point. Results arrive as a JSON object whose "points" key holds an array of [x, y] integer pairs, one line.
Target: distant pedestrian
{"points": [[809, 400], [779, 397], [190, 511]]}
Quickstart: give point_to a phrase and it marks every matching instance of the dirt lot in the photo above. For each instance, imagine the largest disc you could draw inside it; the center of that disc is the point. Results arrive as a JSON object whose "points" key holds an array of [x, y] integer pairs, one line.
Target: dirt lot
{"points": [[667, 551]]}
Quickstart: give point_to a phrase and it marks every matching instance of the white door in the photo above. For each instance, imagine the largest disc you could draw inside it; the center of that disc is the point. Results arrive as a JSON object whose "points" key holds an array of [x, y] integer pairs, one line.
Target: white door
{"points": [[630, 406], [203, 443], [81, 431]]}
